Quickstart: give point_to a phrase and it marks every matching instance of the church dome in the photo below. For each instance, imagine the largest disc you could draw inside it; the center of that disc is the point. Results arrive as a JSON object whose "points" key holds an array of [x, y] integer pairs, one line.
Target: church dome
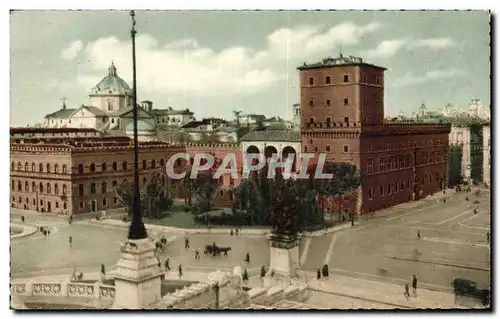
{"points": [[112, 84], [142, 127]]}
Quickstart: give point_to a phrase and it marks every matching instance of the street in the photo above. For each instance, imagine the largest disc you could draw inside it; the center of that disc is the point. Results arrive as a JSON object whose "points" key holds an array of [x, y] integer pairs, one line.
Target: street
{"points": [[452, 245]]}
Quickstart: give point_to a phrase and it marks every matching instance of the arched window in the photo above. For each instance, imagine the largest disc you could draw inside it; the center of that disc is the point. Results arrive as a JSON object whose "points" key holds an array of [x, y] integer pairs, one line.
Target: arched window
{"points": [[92, 188], [80, 189], [65, 189], [115, 183], [19, 166], [13, 185], [40, 187], [19, 186], [153, 164], [49, 190], [27, 200], [80, 168], [26, 166], [65, 206], [56, 169], [92, 167], [26, 186], [48, 168], [33, 187], [20, 200], [40, 168], [124, 166], [64, 169], [56, 189], [33, 167], [104, 187], [144, 164], [104, 167], [162, 162], [115, 166], [12, 166]]}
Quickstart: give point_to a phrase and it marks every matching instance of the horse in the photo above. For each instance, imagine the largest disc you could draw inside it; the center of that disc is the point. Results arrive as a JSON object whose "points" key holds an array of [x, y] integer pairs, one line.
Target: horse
{"points": [[223, 250]]}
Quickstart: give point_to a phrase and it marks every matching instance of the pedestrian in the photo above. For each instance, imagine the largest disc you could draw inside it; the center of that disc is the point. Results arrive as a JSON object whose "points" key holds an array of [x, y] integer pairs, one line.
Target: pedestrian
{"points": [[247, 258], [237, 232], [419, 234], [467, 198], [167, 264], [186, 243], [407, 291], [70, 241], [414, 284], [231, 232], [262, 271], [180, 271], [318, 274], [475, 211], [22, 219], [444, 200], [196, 254], [103, 269]]}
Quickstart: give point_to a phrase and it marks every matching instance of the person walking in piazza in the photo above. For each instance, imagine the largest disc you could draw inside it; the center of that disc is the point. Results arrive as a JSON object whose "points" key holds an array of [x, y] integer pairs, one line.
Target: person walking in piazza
{"points": [[70, 241], [103, 269], [407, 291], [186, 243], [180, 271], [196, 254], [419, 234], [414, 284], [247, 258], [167, 264]]}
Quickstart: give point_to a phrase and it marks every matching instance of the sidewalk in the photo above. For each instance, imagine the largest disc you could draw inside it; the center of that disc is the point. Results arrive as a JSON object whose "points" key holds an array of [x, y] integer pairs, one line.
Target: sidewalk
{"points": [[384, 293]]}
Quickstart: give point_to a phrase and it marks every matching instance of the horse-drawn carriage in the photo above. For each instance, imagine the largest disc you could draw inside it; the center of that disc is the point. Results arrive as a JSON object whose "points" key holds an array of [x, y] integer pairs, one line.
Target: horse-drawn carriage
{"points": [[215, 250]]}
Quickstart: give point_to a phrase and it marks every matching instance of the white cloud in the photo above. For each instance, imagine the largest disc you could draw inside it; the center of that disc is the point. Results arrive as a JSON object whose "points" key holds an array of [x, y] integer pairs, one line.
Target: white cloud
{"points": [[386, 48], [432, 43], [183, 67], [70, 52], [429, 76]]}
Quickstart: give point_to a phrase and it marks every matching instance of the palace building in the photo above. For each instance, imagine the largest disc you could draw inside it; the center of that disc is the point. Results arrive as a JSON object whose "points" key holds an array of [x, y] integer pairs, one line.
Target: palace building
{"points": [[342, 115]]}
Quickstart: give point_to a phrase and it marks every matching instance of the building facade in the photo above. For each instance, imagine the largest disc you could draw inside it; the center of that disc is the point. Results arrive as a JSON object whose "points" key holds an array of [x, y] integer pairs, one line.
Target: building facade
{"points": [[74, 176], [342, 115]]}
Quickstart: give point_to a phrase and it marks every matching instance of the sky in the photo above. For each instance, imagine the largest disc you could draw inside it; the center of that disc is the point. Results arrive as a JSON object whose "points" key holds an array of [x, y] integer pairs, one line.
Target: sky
{"points": [[214, 62]]}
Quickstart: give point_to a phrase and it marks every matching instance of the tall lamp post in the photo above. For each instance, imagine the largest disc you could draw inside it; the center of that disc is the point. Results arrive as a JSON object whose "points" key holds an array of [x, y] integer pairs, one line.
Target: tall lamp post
{"points": [[137, 229]]}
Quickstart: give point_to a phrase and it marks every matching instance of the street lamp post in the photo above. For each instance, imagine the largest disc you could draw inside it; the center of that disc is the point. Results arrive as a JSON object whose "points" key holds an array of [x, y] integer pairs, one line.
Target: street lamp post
{"points": [[137, 229]]}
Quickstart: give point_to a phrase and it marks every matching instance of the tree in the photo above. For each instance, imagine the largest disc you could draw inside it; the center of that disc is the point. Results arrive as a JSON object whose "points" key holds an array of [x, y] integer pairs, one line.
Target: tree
{"points": [[154, 199], [205, 187]]}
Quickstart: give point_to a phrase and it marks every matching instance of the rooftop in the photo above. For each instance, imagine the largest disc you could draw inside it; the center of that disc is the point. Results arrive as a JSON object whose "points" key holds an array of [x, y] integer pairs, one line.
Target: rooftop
{"points": [[272, 135], [342, 60]]}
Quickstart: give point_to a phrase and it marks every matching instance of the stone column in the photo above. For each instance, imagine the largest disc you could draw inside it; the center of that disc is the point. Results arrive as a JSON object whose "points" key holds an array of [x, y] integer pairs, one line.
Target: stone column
{"points": [[137, 276], [284, 255]]}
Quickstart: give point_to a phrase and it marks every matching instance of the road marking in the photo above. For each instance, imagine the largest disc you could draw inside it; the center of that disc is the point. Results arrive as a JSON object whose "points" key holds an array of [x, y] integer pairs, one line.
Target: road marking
{"points": [[473, 227], [330, 250], [454, 217], [388, 278], [433, 229], [411, 212], [453, 242], [303, 257]]}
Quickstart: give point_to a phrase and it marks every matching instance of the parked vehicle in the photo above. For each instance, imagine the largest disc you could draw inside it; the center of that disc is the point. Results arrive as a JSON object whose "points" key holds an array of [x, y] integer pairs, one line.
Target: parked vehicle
{"points": [[469, 288]]}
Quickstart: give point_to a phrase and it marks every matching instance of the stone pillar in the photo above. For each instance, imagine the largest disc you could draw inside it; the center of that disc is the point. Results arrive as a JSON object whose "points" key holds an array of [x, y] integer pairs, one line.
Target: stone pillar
{"points": [[284, 255], [137, 276]]}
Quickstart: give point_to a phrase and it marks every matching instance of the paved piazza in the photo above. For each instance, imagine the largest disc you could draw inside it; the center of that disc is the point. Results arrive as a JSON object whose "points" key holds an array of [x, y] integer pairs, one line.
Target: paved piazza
{"points": [[453, 245]]}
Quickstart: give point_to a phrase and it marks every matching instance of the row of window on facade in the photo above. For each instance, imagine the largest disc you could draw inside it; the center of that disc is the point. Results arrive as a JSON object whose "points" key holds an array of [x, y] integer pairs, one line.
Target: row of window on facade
{"points": [[40, 167], [327, 148], [39, 188], [402, 162], [391, 188], [328, 102], [104, 167], [27, 201], [345, 79]]}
